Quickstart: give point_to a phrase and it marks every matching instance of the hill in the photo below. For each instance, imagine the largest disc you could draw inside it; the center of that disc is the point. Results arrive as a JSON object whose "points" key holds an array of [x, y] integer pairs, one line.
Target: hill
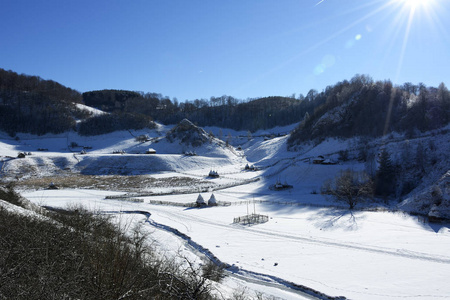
{"points": [[314, 231], [31, 104], [359, 107], [362, 107], [119, 153]]}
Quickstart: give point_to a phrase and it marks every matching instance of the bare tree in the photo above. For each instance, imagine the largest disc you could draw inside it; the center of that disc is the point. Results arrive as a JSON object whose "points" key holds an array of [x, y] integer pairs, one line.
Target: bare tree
{"points": [[349, 187]]}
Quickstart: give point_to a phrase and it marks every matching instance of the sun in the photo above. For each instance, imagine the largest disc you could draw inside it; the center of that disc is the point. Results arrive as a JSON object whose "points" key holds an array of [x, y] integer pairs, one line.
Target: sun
{"points": [[415, 4]]}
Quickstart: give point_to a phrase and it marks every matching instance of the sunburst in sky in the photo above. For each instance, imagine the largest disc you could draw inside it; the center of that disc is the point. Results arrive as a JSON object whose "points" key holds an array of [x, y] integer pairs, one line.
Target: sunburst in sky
{"points": [[197, 49], [411, 11], [398, 17]]}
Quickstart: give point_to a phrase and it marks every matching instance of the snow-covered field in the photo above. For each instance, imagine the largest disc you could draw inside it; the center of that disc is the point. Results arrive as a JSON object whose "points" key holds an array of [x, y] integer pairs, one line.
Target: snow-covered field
{"points": [[309, 240], [359, 255]]}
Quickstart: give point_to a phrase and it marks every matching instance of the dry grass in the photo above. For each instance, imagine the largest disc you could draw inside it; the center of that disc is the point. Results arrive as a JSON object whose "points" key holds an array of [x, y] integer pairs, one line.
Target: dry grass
{"points": [[109, 182], [80, 255]]}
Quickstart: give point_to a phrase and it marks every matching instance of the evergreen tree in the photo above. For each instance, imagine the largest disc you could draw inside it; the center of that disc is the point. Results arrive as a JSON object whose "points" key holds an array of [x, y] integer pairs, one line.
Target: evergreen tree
{"points": [[385, 176], [421, 157], [444, 101]]}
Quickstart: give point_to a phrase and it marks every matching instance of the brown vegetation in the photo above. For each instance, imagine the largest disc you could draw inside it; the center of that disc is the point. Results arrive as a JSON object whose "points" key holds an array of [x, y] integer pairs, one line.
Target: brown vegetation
{"points": [[109, 182], [79, 255]]}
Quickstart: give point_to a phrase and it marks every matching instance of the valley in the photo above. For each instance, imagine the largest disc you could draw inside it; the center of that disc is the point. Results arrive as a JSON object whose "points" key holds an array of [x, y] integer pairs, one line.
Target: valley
{"points": [[311, 246]]}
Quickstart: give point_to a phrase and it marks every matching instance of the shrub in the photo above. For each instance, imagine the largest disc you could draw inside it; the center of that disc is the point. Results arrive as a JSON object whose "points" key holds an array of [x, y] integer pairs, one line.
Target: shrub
{"points": [[343, 155], [7, 194], [80, 255], [436, 193], [142, 138], [213, 271]]}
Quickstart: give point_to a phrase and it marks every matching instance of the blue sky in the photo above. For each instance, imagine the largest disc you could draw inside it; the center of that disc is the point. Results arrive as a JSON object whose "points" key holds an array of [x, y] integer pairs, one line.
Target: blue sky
{"points": [[243, 48]]}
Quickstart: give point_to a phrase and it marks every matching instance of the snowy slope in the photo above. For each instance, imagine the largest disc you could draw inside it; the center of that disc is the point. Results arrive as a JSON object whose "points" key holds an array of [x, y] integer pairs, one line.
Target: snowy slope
{"points": [[374, 253], [92, 110], [359, 255], [59, 157]]}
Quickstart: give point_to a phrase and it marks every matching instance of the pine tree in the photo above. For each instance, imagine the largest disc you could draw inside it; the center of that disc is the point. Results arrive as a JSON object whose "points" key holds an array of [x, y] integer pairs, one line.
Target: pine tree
{"points": [[421, 156], [385, 177]]}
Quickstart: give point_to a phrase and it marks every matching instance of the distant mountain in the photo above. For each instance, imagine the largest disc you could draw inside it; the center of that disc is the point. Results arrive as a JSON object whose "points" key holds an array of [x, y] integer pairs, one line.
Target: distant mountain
{"points": [[192, 140]]}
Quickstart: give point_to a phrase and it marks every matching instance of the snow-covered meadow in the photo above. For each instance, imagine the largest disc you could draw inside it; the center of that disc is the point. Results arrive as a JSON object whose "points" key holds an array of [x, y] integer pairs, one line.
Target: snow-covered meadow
{"points": [[359, 255], [373, 252]]}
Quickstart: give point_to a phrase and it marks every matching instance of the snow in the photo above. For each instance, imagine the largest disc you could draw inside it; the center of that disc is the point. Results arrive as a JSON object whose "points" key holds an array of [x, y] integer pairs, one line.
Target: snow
{"points": [[374, 252], [19, 210], [360, 255], [92, 110]]}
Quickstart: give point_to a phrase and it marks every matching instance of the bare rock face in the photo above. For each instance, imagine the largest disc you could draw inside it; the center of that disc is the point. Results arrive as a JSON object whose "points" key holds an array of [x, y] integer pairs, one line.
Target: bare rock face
{"points": [[187, 133]]}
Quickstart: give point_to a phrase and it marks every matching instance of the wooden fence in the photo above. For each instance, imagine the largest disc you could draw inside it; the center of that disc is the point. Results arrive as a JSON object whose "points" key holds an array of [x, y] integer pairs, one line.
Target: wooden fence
{"points": [[251, 219]]}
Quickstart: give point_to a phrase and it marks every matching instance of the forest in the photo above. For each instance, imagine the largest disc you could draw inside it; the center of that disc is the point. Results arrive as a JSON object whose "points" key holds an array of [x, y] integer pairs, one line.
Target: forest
{"points": [[362, 107], [356, 107]]}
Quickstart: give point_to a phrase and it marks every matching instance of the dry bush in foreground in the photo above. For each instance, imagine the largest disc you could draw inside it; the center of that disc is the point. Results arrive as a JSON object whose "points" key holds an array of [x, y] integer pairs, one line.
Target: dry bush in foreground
{"points": [[79, 255]]}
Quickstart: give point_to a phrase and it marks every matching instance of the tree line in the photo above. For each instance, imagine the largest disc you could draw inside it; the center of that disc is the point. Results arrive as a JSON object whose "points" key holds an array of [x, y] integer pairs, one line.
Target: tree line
{"points": [[362, 107], [387, 175], [359, 107], [224, 111], [33, 105]]}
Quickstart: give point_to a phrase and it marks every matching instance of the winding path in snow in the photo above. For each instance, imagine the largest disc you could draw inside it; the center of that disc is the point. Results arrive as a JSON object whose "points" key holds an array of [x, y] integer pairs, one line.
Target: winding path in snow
{"points": [[238, 273], [312, 240]]}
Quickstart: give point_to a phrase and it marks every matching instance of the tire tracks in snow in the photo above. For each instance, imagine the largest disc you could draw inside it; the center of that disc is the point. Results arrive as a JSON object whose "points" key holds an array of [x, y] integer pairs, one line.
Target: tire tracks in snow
{"points": [[233, 271], [322, 242]]}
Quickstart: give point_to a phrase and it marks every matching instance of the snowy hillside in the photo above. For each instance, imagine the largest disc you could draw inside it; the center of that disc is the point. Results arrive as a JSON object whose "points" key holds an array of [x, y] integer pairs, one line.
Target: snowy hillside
{"points": [[311, 243], [91, 110], [115, 153]]}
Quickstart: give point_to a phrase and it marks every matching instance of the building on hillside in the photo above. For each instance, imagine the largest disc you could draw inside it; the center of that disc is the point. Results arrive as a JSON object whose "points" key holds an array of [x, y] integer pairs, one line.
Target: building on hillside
{"points": [[278, 186], [318, 160], [150, 151], [329, 162]]}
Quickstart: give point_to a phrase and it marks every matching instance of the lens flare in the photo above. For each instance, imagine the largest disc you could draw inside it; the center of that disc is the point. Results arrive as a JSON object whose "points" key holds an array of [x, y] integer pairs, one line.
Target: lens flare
{"points": [[413, 4], [416, 5]]}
